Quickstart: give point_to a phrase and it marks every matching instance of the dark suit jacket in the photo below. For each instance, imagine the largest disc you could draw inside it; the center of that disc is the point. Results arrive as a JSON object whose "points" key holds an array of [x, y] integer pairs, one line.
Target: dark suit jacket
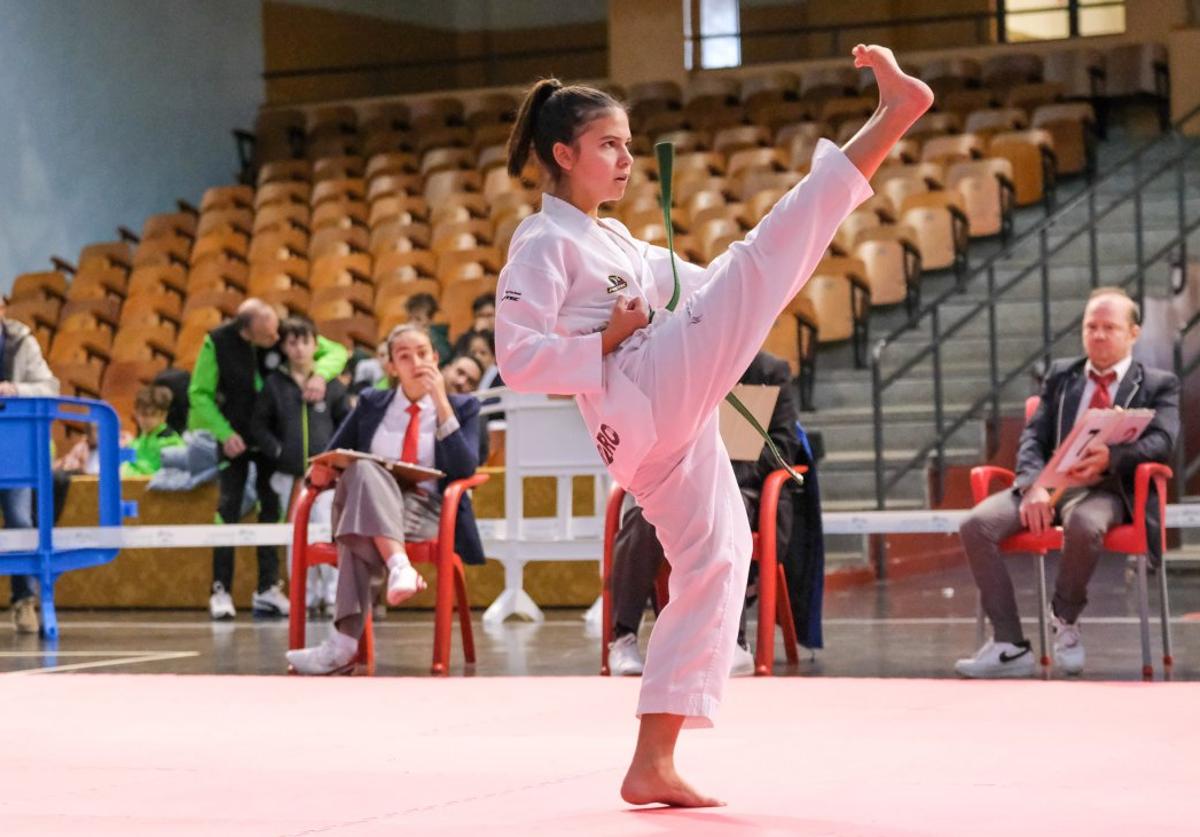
{"points": [[457, 455], [1142, 387]]}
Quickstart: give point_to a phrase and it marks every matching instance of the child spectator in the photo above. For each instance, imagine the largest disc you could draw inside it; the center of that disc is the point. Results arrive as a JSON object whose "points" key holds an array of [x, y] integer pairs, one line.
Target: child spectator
{"points": [[150, 408], [287, 430], [421, 309]]}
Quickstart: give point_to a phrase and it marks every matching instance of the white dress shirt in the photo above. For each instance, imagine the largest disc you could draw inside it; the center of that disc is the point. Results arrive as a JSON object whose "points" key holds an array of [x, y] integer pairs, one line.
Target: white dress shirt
{"points": [[388, 441], [1089, 386]]}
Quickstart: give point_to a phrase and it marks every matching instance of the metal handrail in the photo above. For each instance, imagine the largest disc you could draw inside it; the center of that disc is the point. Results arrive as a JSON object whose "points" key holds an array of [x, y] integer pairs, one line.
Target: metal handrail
{"points": [[1185, 469], [988, 269]]}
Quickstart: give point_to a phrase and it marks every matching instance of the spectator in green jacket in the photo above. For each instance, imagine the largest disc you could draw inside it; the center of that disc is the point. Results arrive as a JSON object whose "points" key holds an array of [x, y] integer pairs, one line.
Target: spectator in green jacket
{"points": [[229, 372], [150, 408]]}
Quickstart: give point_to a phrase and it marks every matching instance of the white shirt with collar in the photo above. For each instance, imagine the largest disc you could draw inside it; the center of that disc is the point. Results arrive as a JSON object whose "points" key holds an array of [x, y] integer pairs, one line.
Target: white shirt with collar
{"points": [[1121, 367], [388, 441]]}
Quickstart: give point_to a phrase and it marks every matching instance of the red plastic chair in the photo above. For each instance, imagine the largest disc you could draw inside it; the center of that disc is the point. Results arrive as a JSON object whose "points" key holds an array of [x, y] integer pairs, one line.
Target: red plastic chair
{"points": [[1128, 538], [773, 608], [451, 579]]}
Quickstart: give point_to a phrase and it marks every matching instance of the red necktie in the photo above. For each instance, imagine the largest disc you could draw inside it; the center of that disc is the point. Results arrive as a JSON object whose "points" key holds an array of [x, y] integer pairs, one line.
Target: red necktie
{"points": [[408, 453], [1101, 399]]}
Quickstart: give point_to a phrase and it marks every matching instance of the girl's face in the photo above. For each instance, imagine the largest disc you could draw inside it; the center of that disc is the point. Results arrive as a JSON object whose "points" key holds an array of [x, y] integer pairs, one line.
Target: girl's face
{"points": [[596, 166], [482, 352]]}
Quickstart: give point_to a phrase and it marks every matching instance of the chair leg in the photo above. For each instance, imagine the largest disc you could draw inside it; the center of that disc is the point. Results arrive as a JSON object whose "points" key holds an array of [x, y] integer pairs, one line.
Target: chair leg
{"points": [[366, 644], [768, 610], [298, 587], [1144, 615], [979, 621], [1043, 605], [464, 612], [783, 611], [1165, 607], [442, 618]]}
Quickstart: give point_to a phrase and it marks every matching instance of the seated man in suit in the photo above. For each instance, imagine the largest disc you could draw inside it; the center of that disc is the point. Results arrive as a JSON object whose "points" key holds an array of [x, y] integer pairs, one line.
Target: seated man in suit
{"points": [[414, 421], [1108, 376], [637, 554]]}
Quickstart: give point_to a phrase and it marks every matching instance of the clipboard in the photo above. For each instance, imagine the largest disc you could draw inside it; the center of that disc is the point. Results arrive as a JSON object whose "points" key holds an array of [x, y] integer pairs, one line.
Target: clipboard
{"points": [[741, 440], [1112, 426], [406, 473]]}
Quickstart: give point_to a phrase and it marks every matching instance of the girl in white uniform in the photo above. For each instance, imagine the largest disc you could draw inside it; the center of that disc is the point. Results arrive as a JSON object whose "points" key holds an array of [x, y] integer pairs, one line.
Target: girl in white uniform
{"points": [[573, 317]]}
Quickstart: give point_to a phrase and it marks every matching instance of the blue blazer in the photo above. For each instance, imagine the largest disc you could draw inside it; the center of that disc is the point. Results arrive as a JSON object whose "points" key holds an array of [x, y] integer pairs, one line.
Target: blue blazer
{"points": [[457, 455]]}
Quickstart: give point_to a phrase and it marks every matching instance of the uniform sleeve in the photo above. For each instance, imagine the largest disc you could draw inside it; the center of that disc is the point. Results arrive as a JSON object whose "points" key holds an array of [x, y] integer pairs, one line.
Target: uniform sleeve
{"points": [[203, 412], [330, 358], [36, 377], [531, 357]]}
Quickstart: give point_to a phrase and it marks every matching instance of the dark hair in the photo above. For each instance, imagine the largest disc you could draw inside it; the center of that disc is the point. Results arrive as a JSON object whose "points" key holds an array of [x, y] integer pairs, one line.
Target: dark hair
{"points": [[152, 399], [418, 301], [465, 356], [553, 113], [488, 336], [1135, 312], [481, 301], [297, 326]]}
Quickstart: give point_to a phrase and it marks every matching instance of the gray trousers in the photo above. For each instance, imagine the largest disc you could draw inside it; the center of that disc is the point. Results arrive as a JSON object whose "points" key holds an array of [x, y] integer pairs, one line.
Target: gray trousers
{"points": [[1086, 514], [367, 504]]}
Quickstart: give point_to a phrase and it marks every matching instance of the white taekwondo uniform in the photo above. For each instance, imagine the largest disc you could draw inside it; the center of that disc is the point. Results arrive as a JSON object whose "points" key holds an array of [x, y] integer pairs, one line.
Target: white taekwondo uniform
{"points": [[651, 405]]}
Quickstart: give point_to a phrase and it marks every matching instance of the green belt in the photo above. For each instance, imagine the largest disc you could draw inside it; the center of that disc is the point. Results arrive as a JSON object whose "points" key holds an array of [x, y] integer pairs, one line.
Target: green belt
{"points": [[665, 151]]}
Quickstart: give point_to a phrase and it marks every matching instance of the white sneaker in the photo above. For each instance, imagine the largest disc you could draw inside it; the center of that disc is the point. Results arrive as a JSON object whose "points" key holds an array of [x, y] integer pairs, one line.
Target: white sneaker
{"points": [[220, 603], [333, 656], [743, 662], [1068, 647], [271, 602], [999, 659], [404, 582], [624, 659]]}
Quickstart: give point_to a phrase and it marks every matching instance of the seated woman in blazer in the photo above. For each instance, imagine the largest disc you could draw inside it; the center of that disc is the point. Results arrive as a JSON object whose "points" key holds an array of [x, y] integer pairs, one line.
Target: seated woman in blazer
{"points": [[415, 421]]}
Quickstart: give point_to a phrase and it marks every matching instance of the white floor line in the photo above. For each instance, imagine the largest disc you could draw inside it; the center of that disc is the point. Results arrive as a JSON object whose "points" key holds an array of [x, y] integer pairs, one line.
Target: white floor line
{"points": [[119, 652], [145, 658]]}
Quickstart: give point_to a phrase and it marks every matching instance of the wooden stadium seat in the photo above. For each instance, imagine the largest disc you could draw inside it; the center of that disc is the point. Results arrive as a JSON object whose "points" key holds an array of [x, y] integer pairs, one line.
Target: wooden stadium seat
{"points": [[783, 340], [152, 309], [340, 271], [475, 204], [446, 159], [144, 344], [1008, 69], [480, 228], [1028, 97], [361, 295], [707, 162], [226, 302], [448, 261], [232, 246], [847, 232], [491, 157], [499, 181], [760, 203], [946, 75], [218, 274], [773, 81], [436, 112], [107, 254], [451, 136], [1072, 128], [940, 226], [396, 235], [122, 379], [987, 191], [41, 315], [415, 264], [274, 194], [511, 203], [81, 346], [953, 148], [718, 90], [288, 243], [1081, 72], [263, 284], [393, 185], [188, 348], [442, 183], [291, 302], [96, 284], [768, 159], [339, 118], [835, 110], [174, 224], [713, 237], [392, 162], [239, 220], [457, 298], [338, 189], [284, 171], [505, 226], [897, 182], [359, 331], [392, 294], [344, 167], [726, 141], [405, 208], [685, 140], [227, 197], [381, 142], [45, 285], [490, 108], [490, 135], [828, 82], [385, 116], [777, 115], [83, 315], [891, 264], [78, 378], [754, 181], [786, 134], [332, 145], [841, 298], [963, 102], [934, 124], [338, 241], [163, 250], [1035, 166], [157, 279], [988, 122]]}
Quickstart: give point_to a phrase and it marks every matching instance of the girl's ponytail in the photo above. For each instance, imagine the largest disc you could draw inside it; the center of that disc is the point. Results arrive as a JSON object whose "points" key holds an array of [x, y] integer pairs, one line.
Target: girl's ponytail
{"points": [[520, 141]]}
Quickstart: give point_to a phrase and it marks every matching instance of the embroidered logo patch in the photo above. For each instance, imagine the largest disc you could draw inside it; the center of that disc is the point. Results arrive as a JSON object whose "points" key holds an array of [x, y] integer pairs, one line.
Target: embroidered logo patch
{"points": [[616, 283], [511, 296]]}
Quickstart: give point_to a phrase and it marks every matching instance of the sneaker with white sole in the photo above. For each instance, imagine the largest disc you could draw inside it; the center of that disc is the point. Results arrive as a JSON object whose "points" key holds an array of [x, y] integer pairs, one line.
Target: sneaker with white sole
{"points": [[404, 582], [1069, 656], [624, 659], [999, 659], [333, 656], [743, 661], [220, 603], [26, 616], [271, 602]]}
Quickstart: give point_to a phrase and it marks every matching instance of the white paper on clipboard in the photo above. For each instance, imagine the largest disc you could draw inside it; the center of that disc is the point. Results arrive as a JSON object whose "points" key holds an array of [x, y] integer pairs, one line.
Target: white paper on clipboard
{"points": [[741, 439], [1112, 426]]}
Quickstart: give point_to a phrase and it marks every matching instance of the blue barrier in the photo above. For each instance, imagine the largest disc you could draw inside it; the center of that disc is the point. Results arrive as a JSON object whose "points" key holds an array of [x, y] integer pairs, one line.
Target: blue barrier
{"points": [[25, 462]]}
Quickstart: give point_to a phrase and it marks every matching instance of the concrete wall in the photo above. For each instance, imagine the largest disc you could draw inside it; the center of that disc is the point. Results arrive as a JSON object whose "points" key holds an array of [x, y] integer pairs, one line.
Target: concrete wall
{"points": [[111, 111]]}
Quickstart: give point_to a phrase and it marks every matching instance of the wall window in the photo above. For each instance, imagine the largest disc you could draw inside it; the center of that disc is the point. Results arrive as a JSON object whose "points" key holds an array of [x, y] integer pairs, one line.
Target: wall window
{"points": [[1043, 20], [712, 34]]}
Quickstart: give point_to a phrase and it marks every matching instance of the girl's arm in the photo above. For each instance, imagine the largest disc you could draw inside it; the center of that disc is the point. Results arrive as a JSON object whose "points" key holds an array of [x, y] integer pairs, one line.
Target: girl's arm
{"points": [[531, 357]]}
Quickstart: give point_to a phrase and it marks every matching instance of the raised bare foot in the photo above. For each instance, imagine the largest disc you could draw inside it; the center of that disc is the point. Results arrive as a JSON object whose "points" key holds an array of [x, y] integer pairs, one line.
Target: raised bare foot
{"points": [[649, 785], [906, 96]]}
